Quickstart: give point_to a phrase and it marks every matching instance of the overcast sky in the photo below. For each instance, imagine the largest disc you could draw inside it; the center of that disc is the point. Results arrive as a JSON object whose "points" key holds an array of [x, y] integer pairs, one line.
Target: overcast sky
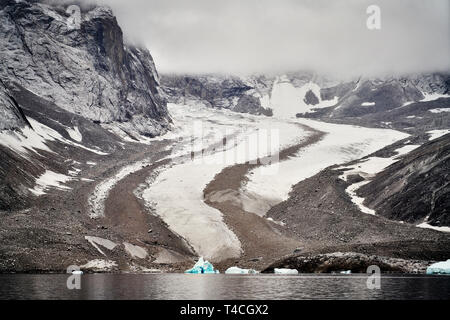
{"points": [[252, 36]]}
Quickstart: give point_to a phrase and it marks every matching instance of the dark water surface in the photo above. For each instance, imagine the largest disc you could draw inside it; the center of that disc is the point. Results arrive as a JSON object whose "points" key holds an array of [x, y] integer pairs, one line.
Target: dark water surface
{"points": [[218, 287]]}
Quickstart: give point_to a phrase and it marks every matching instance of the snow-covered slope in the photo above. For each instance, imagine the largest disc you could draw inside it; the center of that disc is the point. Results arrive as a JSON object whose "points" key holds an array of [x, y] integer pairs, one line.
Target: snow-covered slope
{"points": [[341, 144], [286, 100], [416, 188], [66, 88], [410, 103]]}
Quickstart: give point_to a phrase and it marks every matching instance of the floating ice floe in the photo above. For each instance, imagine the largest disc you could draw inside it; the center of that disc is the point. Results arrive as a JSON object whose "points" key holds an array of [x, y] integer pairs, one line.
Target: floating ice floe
{"points": [[202, 266], [237, 270], [285, 271], [346, 272], [439, 268]]}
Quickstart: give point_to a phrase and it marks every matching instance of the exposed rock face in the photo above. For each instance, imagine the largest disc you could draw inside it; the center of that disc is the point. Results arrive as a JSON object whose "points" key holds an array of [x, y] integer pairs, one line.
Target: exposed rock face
{"points": [[68, 78], [252, 105], [87, 70], [415, 189], [11, 115], [403, 102], [320, 213], [217, 91], [369, 101], [356, 262], [311, 99], [380, 95]]}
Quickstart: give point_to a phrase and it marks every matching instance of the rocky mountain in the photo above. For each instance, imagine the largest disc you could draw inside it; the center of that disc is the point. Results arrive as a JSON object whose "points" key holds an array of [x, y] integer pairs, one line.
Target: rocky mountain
{"points": [[219, 91], [81, 86], [78, 107], [79, 111], [415, 189], [11, 114], [408, 103], [84, 67]]}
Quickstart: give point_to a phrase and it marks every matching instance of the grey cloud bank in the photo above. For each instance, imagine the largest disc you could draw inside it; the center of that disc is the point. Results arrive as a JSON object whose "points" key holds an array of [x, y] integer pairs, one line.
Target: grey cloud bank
{"points": [[253, 36]]}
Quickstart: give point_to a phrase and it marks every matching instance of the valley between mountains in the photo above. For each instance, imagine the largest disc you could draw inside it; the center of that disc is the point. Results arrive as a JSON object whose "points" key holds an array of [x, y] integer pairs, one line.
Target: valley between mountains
{"points": [[110, 166]]}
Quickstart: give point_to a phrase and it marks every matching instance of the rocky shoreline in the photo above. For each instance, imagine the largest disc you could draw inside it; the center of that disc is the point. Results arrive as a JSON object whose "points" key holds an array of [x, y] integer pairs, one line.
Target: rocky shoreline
{"points": [[352, 261]]}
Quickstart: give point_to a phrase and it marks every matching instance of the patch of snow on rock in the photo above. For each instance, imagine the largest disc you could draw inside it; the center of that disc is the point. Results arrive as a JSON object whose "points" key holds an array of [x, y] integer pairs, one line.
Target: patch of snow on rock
{"points": [[95, 241], [439, 110], [368, 168], [135, 251], [100, 265], [50, 179], [75, 134], [434, 134], [35, 139], [433, 96], [425, 225]]}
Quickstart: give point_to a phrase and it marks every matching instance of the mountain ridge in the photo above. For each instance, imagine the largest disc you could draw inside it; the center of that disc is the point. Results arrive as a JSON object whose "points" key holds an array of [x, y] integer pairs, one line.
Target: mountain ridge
{"points": [[88, 71]]}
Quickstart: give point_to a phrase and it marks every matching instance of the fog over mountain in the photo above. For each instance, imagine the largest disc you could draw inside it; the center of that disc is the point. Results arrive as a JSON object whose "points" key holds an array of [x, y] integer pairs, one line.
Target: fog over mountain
{"points": [[274, 36]]}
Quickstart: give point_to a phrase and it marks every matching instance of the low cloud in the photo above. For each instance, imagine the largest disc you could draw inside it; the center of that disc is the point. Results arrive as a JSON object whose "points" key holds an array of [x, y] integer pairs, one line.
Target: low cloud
{"points": [[265, 36]]}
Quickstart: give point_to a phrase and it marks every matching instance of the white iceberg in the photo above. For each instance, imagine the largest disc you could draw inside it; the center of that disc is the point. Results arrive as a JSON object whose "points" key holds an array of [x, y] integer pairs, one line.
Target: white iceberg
{"points": [[285, 271], [439, 268], [237, 270], [202, 267]]}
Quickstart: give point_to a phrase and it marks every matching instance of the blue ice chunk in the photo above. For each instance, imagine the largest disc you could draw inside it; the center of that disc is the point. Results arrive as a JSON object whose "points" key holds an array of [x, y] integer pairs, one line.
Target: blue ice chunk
{"points": [[202, 267], [237, 270], [439, 268]]}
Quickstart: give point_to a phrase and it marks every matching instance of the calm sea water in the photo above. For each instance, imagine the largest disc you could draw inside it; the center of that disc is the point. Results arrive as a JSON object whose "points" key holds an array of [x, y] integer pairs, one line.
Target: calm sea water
{"points": [[218, 287]]}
